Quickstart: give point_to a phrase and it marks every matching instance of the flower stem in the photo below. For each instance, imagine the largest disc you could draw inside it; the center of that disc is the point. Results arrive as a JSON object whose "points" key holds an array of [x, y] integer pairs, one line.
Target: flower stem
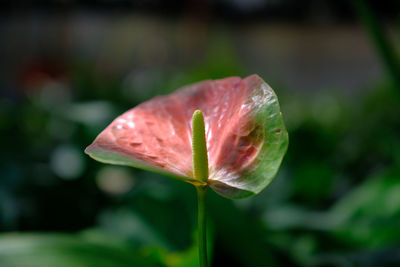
{"points": [[201, 220]]}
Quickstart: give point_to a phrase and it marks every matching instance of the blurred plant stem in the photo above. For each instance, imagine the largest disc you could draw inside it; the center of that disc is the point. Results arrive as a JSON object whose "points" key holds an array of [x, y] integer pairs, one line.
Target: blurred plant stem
{"points": [[381, 42], [201, 219]]}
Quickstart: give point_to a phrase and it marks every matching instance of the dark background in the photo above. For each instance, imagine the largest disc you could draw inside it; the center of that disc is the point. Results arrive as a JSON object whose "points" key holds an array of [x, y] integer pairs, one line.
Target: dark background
{"points": [[67, 68]]}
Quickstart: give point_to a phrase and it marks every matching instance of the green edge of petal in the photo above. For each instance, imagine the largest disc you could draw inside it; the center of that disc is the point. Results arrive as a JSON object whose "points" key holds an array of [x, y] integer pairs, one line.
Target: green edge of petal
{"points": [[269, 157], [114, 158]]}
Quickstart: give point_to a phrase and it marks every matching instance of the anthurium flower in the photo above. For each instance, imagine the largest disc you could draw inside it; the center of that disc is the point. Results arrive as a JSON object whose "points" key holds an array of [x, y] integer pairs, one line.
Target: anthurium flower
{"points": [[245, 135]]}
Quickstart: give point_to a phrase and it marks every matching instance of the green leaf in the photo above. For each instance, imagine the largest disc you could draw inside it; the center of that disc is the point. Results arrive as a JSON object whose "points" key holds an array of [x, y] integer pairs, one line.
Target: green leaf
{"points": [[62, 250]]}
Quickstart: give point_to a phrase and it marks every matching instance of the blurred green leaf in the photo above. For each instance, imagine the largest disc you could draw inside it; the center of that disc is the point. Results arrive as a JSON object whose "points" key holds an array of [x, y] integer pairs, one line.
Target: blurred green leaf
{"points": [[188, 257], [62, 250], [370, 215], [243, 236]]}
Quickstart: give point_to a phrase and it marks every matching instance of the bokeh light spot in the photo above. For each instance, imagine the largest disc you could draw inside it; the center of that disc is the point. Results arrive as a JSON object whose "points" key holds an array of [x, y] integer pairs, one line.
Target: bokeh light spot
{"points": [[67, 162], [114, 180]]}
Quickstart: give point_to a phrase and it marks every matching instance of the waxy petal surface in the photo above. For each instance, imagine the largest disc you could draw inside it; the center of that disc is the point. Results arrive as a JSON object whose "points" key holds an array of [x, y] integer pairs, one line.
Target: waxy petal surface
{"points": [[246, 136]]}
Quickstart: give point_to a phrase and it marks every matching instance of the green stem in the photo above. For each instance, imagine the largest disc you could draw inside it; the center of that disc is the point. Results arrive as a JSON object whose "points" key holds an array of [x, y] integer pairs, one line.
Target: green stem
{"points": [[201, 219], [381, 40]]}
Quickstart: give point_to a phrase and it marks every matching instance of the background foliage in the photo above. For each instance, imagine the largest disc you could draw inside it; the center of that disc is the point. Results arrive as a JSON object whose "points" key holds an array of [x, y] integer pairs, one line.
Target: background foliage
{"points": [[68, 68]]}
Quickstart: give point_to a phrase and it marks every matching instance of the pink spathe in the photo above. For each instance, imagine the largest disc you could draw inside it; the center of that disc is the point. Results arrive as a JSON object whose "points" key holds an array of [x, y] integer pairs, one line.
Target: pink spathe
{"points": [[157, 134]]}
